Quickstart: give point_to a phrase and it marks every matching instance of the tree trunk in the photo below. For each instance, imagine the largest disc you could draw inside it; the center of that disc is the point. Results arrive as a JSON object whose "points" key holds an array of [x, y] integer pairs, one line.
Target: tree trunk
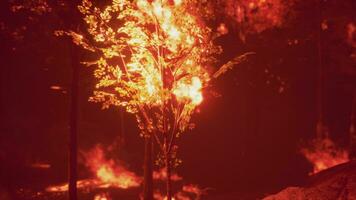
{"points": [[148, 179], [73, 125], [353, 128], [320, 126], [168, 181]]}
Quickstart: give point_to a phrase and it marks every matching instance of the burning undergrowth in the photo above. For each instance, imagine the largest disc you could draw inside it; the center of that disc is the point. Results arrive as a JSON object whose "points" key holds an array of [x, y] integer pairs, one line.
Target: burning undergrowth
{"points": [[105, 173], [110, 179], [323, 153]]}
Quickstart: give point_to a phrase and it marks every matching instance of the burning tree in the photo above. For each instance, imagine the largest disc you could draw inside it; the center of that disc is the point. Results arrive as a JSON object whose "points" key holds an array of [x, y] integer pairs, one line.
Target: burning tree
{"points": [[154, 61]]}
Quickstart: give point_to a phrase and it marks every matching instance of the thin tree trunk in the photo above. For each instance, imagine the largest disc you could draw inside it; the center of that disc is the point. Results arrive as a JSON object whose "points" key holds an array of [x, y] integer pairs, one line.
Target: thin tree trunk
{"points": [[122, 130], [169, 181], [353, 128], [320, 129], [148, 162], [73, 125]]}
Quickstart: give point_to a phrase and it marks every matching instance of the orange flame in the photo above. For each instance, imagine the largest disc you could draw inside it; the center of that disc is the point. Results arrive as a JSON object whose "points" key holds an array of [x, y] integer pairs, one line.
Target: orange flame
{"points": [[324, 154], [187, 192], [107, 173], [103, 196], [162, 175], [190, 91]]}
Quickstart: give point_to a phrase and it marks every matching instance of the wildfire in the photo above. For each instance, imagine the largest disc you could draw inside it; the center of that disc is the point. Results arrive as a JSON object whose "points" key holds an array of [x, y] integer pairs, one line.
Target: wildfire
{"points": [[110, 174], [187, 192], [156, 56], [162, 175], [190, 91], [324, 154], [107, 174], [153, 60], [103, 196], [255, 16]]}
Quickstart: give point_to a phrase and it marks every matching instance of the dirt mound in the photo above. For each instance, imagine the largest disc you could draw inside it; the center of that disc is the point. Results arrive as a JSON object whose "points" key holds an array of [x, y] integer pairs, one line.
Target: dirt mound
{"points": [[337, 183]]}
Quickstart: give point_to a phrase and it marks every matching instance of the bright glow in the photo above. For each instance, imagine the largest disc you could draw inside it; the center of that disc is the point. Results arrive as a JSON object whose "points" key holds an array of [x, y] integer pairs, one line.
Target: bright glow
{"points": [[157, 8], [107, 174], [102, 196], [174, 33], [177, 2], [191, 91], [324, 154]]}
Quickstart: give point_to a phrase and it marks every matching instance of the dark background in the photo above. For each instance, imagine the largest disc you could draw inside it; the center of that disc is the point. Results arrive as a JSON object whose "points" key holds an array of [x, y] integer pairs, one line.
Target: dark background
{"points": [[246, 141]]}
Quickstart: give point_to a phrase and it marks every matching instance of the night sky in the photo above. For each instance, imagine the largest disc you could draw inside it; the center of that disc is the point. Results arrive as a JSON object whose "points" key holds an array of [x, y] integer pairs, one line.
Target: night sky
{"points": [[246, 140]]}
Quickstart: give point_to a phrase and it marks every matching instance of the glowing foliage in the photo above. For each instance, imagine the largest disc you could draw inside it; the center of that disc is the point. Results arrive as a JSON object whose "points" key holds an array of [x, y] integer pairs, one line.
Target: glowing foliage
{"points": [[255, 16], [154, 60], [38, 7]]}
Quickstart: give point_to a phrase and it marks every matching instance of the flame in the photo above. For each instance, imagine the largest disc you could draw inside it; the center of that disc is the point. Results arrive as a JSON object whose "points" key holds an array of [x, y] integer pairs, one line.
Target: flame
{"points": [[191, 91], [103, 196], [158, 38], [162, 175], [324, 154], [41, 165], [222, 29], [258, 15], [107, 174], [351, 34], [81, 184], [187, 192], [154, 61]]}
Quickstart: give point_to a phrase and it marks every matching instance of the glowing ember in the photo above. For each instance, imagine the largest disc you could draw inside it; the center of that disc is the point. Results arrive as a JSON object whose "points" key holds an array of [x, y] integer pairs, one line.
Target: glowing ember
{"points": [[103, 196], [324, 154], [222, 29], [56, 87], [351, 34], [81, 184], [41, 165], [187, 192], [162, 175], [255, 16]]}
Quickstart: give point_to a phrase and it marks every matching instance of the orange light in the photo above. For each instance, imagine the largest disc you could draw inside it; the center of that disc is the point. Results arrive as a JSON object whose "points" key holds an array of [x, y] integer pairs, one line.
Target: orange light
{"points": [[324, 154], [191, 91], [107, 174]]}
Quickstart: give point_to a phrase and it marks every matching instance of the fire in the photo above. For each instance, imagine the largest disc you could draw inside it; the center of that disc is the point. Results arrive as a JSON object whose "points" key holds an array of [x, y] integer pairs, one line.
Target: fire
{"points": [[155, 65], [81, 184], [107, 174], [162, 175], [190, 91], [41, 165], [103, 196], [161, 56], [256, 16], [324, 154], [187, 192]]}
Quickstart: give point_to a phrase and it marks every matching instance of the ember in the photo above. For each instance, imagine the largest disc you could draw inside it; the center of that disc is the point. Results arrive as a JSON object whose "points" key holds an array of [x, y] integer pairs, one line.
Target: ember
{"points": [[103, 196]]}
